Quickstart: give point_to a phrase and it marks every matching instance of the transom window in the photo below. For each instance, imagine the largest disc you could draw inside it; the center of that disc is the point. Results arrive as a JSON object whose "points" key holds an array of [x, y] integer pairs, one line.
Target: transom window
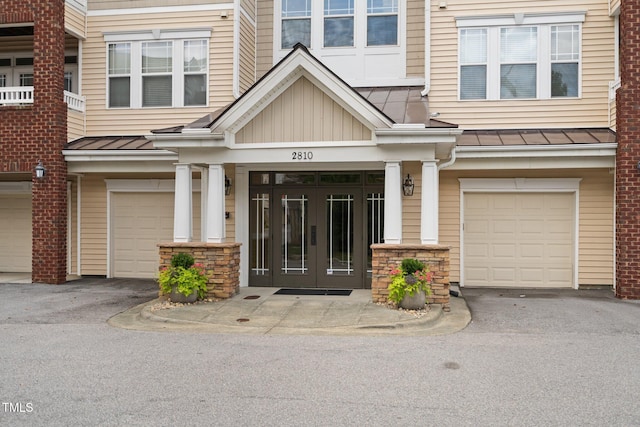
{"points": [[162, 73], [539, 61]]}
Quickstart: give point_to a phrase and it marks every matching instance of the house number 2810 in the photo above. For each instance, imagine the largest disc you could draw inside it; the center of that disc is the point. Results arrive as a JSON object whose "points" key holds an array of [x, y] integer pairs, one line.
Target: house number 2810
{"points": [[302, 155]]}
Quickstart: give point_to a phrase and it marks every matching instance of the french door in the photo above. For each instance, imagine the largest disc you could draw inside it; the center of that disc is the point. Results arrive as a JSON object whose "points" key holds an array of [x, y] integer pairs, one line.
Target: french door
{"points": [[313, 236]]}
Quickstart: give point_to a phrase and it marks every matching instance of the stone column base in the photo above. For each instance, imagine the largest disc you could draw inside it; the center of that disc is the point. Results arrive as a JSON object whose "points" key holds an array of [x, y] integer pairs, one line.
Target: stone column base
{"points": [[221, 262], [387, 257]]}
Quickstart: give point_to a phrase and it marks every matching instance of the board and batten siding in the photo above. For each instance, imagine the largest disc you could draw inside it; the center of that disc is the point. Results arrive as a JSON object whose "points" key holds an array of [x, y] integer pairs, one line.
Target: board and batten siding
{"points": [[247, 54], [595, 228], [135, 121], [303, 113], [597, 69]]}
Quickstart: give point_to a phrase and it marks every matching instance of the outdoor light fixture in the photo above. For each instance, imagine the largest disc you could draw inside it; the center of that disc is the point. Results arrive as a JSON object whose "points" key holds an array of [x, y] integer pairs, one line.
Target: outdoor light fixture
{"points": [[407, 186], [40, 170], [227, 185]]}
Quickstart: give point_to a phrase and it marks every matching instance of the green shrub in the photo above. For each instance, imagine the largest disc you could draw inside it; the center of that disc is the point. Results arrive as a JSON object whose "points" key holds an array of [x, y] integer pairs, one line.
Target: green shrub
{"points": [[183, 260], [411, 265]]}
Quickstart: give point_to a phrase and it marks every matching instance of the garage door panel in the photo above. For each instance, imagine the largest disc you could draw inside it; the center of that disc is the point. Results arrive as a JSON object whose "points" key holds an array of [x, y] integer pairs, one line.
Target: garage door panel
{"points": [[15, 233], [139, 222], [531, 242]]}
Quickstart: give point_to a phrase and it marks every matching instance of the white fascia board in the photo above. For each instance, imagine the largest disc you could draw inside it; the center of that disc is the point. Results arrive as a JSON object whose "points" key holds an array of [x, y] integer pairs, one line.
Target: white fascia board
{"points": [[140, 166], [567, 150], [416, 134], [199, 138], [163, 34], [117, 155]]}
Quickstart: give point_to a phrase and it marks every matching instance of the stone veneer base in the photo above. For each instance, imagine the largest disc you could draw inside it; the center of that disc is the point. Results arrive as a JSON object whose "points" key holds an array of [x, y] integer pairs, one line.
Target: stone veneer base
{"points": [[387, 257], [221, 262]]}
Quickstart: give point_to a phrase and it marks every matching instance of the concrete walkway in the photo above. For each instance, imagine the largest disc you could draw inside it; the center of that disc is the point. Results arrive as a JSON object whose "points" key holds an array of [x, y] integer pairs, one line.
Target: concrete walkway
{"points": [[259, 311]]}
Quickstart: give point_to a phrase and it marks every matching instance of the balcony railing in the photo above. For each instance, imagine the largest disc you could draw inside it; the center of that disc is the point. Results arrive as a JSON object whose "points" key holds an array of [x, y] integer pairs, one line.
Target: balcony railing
{"points": [[23, 95]]}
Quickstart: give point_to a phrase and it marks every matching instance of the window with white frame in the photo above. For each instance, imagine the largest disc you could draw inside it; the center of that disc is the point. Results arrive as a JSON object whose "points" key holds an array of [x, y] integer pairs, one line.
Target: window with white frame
{"points": [[157, 73], [18, 71], [536, 61], [344, 23]]}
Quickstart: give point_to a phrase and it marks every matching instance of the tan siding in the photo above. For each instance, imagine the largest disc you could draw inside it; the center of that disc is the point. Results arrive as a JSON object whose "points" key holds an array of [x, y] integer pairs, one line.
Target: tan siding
{"points": [[247, 54], [75, 125], [131, 4], [595, 250], [415, 38], [614, 5], [74, 21], [303, 113], [264, 46], [21, 44], [249, 7], [596, 229], [73, 229], [101, 121], [411, 205], [94, 226], [597, 70]]}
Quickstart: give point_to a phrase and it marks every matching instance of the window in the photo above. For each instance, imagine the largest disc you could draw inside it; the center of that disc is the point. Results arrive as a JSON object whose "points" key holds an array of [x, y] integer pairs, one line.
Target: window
{"points": [[338, 23], [536, 61], [382, 22], [158, 73], [296, 23]]}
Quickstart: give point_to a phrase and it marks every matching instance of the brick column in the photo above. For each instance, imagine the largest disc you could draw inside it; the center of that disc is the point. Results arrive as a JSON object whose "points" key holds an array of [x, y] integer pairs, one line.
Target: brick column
{"points": [[628, 155], [39, 132]]}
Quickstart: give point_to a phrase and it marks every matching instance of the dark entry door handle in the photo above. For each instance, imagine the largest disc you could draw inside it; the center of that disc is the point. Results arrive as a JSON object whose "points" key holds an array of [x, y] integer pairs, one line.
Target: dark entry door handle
{"points": [[313, 235]]}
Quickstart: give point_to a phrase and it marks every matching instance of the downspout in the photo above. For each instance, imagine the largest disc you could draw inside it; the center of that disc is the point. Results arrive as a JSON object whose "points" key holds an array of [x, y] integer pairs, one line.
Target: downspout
{"points": [[427, 48], [452, 159]]}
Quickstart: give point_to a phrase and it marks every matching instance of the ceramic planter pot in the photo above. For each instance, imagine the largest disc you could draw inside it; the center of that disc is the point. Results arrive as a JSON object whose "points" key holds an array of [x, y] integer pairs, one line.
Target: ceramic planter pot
{"points": [[176, 296], [416, 301]]}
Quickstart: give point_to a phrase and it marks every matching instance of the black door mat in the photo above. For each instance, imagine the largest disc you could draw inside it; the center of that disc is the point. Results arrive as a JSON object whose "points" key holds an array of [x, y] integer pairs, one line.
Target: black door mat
{"points": [[314, 291]]}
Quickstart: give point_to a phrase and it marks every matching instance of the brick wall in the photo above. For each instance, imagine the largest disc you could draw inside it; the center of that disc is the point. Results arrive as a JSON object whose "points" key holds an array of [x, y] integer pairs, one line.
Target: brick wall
{"points": [[628, 155], [388, 257], [221, 262], [38, 132]]}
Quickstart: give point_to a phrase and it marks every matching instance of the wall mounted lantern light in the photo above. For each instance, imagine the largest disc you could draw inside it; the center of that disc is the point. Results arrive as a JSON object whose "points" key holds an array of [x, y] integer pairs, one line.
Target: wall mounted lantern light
{"points": [[40, 170], [227, 185], [407, 186]]}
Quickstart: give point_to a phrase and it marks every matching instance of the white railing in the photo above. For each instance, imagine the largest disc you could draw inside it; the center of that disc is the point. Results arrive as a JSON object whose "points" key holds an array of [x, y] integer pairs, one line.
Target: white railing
{"points": [[16, 95], [74, 102], [613, 86], [24, 95]]}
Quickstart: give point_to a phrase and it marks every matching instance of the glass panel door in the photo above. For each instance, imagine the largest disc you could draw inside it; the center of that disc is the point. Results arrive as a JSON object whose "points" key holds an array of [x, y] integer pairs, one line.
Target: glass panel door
{"points": [[294, 239], [260, 251], [340, 253]]}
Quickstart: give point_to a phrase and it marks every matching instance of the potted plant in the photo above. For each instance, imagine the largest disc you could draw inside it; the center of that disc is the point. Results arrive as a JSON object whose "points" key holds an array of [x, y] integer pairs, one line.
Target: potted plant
{"points": [[184, 281], [410, 284]]}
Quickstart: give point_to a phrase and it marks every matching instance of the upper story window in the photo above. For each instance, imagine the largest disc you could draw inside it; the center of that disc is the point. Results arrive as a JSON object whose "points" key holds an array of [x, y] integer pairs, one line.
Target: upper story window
{"points": [[540, 61], [159, 72], [339, 23]]}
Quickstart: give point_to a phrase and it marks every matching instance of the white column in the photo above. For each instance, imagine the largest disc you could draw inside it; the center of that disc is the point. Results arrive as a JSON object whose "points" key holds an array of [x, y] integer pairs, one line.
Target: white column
{"points": [[392, 203], [183, 206], [204, 195], [241, 191], [429, 204], [215, 205]]}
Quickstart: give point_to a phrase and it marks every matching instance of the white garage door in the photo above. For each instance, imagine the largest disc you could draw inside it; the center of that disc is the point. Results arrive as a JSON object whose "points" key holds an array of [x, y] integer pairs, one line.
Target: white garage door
{"points": [[15, 233], [518, 240], [139, 222]]}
